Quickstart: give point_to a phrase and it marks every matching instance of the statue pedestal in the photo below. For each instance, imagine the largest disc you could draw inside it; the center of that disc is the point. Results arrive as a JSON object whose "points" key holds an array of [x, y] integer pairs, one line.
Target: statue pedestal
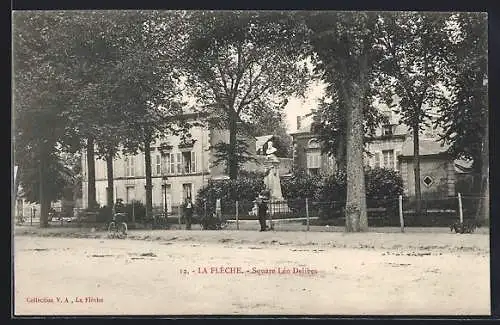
{"points": [[277, 203]]}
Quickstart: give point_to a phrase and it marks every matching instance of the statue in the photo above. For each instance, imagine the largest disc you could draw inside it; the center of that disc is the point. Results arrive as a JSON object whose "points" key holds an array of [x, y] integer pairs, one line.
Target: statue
{"points": [[272, 178]]}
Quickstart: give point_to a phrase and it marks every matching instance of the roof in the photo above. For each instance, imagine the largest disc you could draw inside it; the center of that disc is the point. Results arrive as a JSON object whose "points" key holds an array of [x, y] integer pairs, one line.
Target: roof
{"points": [[427, 147], [463, 166]]}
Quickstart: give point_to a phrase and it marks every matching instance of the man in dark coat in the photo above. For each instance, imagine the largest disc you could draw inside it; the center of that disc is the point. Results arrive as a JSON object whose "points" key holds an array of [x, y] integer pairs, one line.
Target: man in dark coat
{"points": [[188, 212], [262, 211]]}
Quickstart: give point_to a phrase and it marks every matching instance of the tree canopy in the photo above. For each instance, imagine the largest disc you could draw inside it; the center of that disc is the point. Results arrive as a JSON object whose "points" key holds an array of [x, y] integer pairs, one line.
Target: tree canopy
{"points": [[243, 63]]}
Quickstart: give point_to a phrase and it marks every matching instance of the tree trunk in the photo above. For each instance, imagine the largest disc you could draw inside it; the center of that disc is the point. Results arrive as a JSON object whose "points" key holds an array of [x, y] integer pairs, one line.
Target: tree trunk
{"points": [[341, 154], [355, 211], [149, 183], [109, 190], [91, 197], [416, 171], [483, 209], [43, 197], [232, 161]]}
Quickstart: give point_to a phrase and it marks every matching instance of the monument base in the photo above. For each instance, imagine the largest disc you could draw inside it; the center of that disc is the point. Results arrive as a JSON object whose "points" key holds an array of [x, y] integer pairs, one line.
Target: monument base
{"points": [[278, 207]]}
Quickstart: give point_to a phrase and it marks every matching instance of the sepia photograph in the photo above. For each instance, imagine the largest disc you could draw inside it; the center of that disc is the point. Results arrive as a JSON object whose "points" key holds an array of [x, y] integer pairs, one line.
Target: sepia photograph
{"points": [[250, 162]]}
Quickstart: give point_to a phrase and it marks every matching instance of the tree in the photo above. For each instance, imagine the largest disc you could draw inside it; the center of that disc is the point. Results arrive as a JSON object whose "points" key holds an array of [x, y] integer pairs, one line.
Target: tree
{"points": [[151, 76], [241, 64], [330, 123], [464, 115], [413, 68], [41, 95], [344, 46]]}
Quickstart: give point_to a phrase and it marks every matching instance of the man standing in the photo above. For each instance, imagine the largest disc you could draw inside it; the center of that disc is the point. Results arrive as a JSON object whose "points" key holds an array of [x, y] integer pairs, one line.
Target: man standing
{"points": [[188, 212], [262, 211]]}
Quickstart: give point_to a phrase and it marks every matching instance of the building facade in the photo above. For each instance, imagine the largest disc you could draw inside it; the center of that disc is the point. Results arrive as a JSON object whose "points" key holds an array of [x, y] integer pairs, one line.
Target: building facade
{"points": [[391, 147], [307, 155], [179, 169]]}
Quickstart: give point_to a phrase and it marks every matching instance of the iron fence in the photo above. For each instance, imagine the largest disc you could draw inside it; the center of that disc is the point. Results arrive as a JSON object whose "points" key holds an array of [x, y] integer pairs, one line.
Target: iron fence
{"points": [[298, 214]]}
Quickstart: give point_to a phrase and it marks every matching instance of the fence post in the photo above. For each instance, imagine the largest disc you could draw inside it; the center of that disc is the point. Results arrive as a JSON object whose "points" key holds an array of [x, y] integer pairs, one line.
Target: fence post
{"points": [[401, 219], [237, 219], [133, 212], [307, 213], [179, 214], [460, 211], [33, 210], [271, 209]]}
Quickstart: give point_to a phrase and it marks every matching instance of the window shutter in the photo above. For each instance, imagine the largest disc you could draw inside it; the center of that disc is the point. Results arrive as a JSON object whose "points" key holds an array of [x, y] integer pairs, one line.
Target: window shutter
{"points": [[153, 165], [396, 155]]}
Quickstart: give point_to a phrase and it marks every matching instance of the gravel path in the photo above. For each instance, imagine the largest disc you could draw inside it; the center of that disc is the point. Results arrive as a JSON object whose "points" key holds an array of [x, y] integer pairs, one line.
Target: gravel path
{"points": [[177, 272]]}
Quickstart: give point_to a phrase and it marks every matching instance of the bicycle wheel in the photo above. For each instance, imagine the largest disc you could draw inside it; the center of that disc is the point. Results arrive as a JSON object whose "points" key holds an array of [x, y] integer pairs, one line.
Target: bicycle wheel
{"points": [[122, 230], [112, 229]]}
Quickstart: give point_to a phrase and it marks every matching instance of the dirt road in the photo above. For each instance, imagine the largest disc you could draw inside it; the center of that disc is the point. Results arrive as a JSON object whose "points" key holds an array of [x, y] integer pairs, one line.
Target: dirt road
{"points": [[424, 275]]}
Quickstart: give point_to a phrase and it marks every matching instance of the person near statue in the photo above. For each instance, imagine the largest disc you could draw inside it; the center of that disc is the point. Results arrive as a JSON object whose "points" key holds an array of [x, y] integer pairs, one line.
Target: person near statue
{"points": [[188, 212], [262, 201]]}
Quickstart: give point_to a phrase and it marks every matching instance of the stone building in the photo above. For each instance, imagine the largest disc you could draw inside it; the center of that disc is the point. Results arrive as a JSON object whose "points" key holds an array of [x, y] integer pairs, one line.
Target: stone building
{"points": [[437, 169], [307, 155], [391, 146], [179, 168]]}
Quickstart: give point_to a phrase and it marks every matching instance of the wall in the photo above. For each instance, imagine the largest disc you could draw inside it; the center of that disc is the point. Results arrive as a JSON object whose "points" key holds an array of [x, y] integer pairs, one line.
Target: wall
{"points": [[438, 168], [377, 146], [121, 182], [301, 143]]}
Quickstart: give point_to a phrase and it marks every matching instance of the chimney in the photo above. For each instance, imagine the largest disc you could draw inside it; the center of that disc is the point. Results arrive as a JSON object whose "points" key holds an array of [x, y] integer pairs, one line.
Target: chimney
{"points": [[298, 122]]}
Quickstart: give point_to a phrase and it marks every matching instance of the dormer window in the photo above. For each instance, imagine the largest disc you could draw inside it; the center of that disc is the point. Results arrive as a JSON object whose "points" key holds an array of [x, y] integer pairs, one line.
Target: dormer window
{"points": [[387, 130], [313, 144]]}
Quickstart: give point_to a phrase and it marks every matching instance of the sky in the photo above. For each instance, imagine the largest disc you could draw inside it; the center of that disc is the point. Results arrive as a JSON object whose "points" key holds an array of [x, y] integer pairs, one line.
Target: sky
{"points": [[301, 106]]}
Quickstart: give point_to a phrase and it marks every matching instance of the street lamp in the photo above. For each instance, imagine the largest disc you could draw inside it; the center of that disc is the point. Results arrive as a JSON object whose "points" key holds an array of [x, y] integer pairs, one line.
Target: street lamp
{"points": [[164, 149], [164, 186]]}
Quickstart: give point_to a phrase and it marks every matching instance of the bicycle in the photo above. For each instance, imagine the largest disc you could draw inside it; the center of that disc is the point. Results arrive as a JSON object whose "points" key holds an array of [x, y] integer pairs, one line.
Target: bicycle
{"points": [[20, 220], [118, 228]]}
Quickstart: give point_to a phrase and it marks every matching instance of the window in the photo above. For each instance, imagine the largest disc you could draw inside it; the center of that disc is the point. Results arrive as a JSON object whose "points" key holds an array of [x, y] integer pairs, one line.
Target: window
{"points": [[193, 162], [129, 166], [166, 163], [129, 194], [314, 162], [186, 162], [398, 162], [186, 190], [313, 171], [157, 166], [179, 163], [377, 160], [387, 130], [172, 164], [388, 156]]}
